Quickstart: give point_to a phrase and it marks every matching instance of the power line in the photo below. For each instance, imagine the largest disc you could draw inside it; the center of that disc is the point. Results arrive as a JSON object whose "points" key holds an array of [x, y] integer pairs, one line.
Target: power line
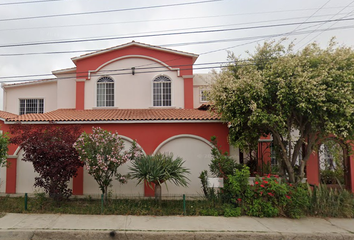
{"points": [[17, 3], [169, 34], [108, 11], [323, 24]]}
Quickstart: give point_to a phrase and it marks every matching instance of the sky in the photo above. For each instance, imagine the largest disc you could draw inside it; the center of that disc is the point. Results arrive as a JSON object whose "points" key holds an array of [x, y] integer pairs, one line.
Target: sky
{"points": [[39, 36]]}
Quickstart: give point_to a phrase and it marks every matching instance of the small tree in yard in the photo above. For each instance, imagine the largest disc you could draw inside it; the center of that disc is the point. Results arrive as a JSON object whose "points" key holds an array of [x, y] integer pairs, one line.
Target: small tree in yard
{"points": [[159, 169], [50, 149], [102, 152], [4, 141], [299, 98]]}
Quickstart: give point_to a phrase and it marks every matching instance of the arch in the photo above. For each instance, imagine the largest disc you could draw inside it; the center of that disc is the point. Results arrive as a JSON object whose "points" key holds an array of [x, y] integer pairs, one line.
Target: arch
{"points": [[182, 136], [133, 56], [345, 161], [162, 91], [128, 139], [105, 92]]}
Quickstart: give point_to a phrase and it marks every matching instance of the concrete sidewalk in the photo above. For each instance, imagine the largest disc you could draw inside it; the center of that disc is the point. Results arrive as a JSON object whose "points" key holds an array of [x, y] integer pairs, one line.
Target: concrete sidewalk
{"points": [[57, 226]]}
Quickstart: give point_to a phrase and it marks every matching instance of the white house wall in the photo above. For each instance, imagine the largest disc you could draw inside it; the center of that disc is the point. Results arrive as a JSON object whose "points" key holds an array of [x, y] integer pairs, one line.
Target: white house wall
{"points": [[2, 179], [66, 96], [197, 156], [134, 91], [46, 91]]}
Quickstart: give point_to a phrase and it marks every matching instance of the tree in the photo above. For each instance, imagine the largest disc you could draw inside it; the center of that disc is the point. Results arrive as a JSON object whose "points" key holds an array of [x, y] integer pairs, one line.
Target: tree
{"points": [[50, 149], [102, 152], [159, 169], [4, 141], [299, 98]]}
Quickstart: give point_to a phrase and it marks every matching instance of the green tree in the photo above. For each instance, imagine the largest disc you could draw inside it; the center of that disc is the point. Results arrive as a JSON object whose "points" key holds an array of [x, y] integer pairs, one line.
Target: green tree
{"points": [[298, 97], [102, 152], [4, 141], [159, 169]]}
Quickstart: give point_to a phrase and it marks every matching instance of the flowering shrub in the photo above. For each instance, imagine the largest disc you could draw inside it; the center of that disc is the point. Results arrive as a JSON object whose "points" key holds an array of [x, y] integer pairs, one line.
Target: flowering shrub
{"points": [[103, 152], [268, 197]]}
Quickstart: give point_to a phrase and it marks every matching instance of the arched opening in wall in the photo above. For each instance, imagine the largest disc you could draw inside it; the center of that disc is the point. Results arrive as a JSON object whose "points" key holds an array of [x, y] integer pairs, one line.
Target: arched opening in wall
{"points": [[333, 163], [196, 154]]}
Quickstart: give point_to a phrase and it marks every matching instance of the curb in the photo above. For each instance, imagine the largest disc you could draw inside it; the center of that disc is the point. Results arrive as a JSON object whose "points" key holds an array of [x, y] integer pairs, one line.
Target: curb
{"points": [[166, 235]]}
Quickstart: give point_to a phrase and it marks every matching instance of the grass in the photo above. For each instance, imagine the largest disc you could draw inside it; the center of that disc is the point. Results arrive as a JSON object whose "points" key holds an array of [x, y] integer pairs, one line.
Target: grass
{"points": [[41, 204]]}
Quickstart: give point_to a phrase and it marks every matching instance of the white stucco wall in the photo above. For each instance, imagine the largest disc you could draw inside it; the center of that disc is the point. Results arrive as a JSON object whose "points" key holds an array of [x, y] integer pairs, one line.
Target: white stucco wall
{"points": [[134, 91], [66, 91], [117, 189], [2, 179], [197, 156], [200, 82], [44, 90], [25, 176]]}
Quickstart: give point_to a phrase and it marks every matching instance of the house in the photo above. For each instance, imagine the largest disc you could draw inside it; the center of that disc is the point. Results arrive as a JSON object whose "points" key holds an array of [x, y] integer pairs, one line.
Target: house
{"points": [[145, 93]]}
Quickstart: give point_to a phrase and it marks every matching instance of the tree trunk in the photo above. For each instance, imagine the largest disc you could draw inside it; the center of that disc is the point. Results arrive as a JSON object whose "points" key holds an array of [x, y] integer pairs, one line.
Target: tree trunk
{"points": [[105, 194], [158, 192]]}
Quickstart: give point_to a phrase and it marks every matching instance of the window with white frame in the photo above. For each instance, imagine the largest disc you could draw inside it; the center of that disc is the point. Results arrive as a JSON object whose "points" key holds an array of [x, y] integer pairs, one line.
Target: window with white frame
{"points": [[105, 92], [204, 95], [31, 106], [162, 91]]}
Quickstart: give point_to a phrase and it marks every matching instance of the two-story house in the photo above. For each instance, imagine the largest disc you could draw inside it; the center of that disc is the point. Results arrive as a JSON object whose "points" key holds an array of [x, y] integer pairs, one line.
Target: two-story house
{"points": [[145, 93]]}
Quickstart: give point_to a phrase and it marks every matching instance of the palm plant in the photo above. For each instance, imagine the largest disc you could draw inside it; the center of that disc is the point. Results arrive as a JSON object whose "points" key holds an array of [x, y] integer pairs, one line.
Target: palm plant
{"points": [[159, 169]]}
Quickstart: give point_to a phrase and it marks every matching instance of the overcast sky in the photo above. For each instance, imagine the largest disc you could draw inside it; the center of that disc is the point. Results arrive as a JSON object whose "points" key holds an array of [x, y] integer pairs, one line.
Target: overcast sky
{"points": [[40, 36]]}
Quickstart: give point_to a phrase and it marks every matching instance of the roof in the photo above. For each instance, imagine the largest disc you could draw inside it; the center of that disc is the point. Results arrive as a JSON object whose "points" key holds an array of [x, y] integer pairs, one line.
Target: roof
{"points": [[123, 115], [133, 43], [4, 85], [7, 115]]}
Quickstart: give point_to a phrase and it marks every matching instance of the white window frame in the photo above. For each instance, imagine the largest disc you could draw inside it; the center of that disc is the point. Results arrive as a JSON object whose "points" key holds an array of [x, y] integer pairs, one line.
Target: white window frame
{"points": [[163, 102], [26, 107], [201, 94], [104, 102]]}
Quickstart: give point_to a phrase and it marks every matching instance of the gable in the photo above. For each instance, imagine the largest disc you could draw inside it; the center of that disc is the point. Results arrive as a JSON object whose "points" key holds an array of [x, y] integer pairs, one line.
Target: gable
{"points": [[170, 58]]}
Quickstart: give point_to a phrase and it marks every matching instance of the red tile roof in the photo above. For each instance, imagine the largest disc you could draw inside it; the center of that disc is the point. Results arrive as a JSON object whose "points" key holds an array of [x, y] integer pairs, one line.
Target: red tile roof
{"points": [[72, 115], [7, 115]]}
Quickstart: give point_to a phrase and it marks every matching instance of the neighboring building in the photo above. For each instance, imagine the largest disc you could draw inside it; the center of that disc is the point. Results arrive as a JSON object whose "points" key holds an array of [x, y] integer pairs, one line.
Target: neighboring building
{"points": [[145, 93]]}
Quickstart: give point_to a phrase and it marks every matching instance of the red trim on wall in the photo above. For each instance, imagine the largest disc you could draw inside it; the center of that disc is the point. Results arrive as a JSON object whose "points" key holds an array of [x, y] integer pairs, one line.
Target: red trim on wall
{"points": [[351, 173], [313, 169], [188, 93], [83, 66], [78, 182], [149, 190], [11, 175], [80, 95]]}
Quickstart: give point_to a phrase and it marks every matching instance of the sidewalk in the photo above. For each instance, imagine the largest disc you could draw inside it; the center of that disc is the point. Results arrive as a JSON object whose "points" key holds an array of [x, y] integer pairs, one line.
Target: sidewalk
{"points": [[57, 226]]}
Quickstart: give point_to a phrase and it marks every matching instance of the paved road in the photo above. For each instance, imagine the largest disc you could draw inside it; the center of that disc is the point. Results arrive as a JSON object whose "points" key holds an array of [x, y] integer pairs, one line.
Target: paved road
{"points": [[58, 226]]}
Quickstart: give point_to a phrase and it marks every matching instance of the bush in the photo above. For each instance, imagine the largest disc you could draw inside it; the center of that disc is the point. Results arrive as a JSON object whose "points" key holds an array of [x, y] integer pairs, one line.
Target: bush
{"points": [[327, 202], [231, 211]]}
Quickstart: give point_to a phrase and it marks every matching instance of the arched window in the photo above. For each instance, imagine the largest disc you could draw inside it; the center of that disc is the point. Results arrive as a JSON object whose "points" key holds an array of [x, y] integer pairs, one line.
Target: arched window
{"points": [[162, 91], [105, 92]]}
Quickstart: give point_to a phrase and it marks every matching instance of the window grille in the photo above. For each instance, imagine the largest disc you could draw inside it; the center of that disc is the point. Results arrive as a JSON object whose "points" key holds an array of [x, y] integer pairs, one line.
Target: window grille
{"points": [[31, 106], [162, 91], [105, 92], [204, 95]]}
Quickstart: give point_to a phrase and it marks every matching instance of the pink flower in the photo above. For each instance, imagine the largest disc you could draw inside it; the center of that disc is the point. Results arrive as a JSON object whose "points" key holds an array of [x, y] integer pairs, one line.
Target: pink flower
{"points": [[256, 182], [288, 197], [262, 185], [265, 182], [271, 194]]}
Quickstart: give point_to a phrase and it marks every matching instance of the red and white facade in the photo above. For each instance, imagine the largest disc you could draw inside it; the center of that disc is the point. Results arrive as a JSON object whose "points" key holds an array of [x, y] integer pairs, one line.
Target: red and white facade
{"points": [[145, 93]]}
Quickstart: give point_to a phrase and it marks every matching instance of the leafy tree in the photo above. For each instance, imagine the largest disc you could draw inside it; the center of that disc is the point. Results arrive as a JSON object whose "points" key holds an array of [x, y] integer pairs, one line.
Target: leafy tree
{"points": [[4, 141], [298, 97], [102, 152], [50, 149], [159, 169]]}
